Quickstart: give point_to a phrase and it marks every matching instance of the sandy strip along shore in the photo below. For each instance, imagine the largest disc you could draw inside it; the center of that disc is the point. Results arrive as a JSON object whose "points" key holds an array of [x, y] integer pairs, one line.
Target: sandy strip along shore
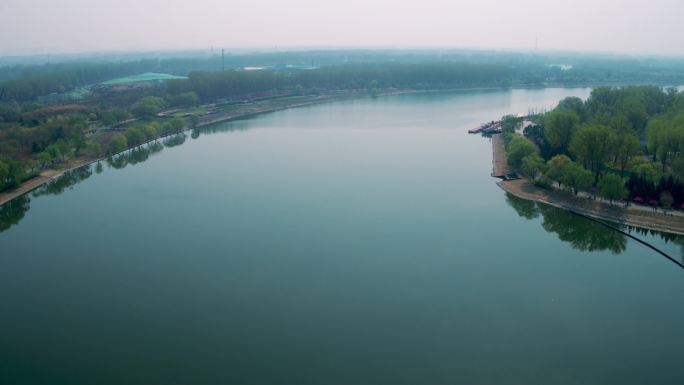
{"points": [[632, 215]]}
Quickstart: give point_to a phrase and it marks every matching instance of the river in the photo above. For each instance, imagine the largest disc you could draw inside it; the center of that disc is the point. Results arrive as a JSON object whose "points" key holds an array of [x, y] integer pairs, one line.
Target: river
{"points": [[356, 242]]}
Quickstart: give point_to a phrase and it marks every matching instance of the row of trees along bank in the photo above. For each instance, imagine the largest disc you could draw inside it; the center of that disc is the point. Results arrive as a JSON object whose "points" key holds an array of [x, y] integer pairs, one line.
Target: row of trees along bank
{"points": [[621, 143]]}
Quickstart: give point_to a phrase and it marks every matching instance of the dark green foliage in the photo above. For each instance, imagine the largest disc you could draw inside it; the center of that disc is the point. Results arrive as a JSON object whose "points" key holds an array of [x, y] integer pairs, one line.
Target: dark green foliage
{"points": [[580, 233], [535, 133], [10, 111], [66, 181], [148, 106], [533, 166], [183, 99], [612, 187], [605, 134], [511, 122], [517, 149], [574, 105], [635, 104], [375, 76], [174, 140], [117, 144], [559, 128], [114, 116], [13, 211], [649, 190], [592, 147], [556, 168], [134, 136], [11, 173]]}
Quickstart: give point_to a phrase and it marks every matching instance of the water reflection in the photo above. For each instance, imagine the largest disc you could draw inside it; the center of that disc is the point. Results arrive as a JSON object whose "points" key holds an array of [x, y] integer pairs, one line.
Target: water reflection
{"points": [[580, 233], [583, 234], [242, 124], [13, 211], [175, 140], [66, 181], [135, 156]]}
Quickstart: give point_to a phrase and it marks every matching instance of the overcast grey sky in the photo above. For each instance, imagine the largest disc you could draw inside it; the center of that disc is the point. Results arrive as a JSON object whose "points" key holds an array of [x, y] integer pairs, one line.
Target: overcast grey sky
{"points": [[53, 26]]}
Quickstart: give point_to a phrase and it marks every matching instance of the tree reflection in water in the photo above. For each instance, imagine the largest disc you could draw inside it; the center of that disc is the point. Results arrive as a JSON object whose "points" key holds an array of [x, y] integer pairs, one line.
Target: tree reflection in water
{"points": [[583, 234], [13, 211], [135, 155], [66, 181]]}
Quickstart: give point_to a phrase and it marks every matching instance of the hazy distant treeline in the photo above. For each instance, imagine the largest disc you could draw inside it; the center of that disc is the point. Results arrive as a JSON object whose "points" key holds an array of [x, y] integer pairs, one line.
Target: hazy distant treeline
{"points": [[230, 84], [343, 68]]}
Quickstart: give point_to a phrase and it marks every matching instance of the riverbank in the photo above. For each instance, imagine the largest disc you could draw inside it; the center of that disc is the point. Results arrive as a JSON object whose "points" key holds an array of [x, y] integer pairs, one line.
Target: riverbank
{"points": [[632, 215], [499, 162], [44, 177], [239, 111]]}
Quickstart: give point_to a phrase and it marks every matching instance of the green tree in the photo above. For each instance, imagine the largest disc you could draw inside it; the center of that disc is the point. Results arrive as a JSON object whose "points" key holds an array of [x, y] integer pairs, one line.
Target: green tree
{"points": [[517, 149], [533, 166], [193, 121], [625, 146], [592, 146], [11, 173], [148, 106], [43, 159], [114, 116], [79, 143], [4, 174], [665, 138], [577, 178], [635, 112], [573, 104], [54, 152], [510, 123], [556, 168], [177, 124], [149, 131], [64, 148], [678, 167], [117, 144], [647, 171], [559, 129], [184, 99], [612, 187], [134, 136]]}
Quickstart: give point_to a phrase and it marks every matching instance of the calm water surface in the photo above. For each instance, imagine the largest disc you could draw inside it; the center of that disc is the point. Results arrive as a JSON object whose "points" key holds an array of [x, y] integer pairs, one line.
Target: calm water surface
{"points": [[358, 242]]}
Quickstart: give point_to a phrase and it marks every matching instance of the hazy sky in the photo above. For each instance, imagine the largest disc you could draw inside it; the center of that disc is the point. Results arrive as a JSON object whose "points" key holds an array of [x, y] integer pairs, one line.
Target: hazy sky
{"points": [[52, 26]]}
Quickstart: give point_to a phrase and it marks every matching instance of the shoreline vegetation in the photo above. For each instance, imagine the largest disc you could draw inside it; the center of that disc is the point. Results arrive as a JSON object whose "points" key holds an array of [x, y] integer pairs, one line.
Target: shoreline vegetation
{"points": [[594, 208], [616, 156], [55, 118], [243, 112]]}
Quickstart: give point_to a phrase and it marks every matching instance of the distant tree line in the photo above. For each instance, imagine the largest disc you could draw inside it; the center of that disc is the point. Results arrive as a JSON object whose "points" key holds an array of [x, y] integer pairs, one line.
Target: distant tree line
{"points": [[234, 84]]}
